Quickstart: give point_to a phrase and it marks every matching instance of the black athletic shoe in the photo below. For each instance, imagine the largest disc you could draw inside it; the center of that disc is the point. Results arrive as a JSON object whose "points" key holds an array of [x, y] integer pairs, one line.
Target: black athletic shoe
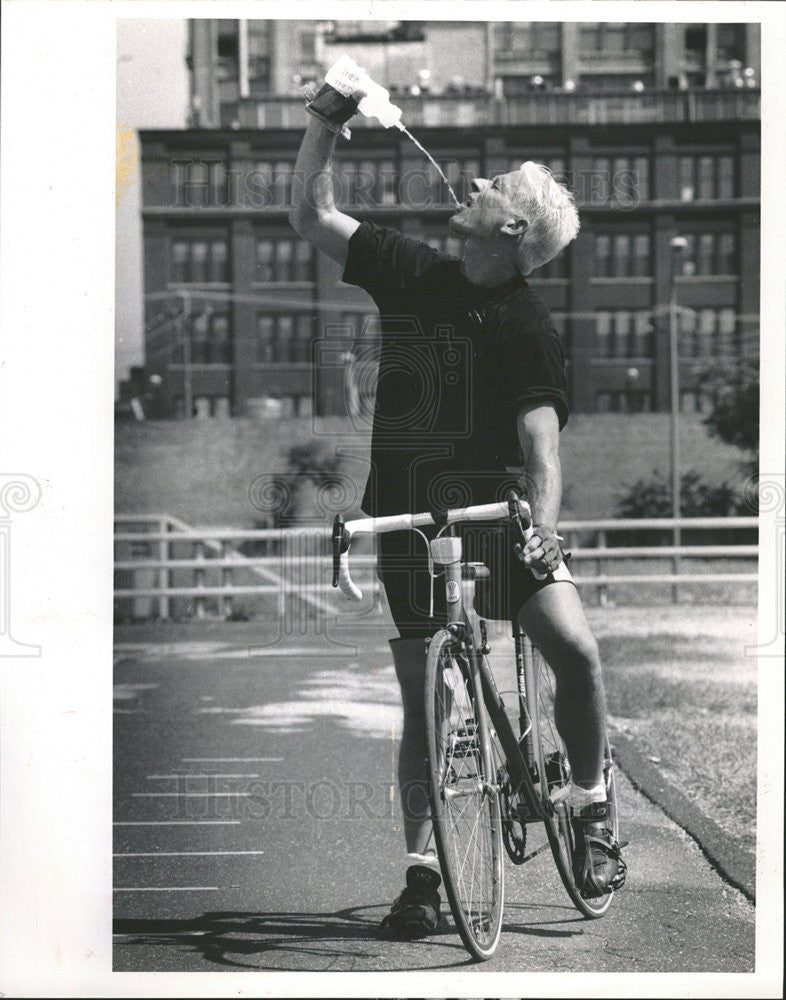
{"points": [[597, 863], [416, 911]]}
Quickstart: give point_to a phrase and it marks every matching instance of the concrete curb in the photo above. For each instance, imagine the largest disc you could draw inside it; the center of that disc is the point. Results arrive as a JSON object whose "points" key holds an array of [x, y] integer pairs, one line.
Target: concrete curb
{"points": [[736, 865]]}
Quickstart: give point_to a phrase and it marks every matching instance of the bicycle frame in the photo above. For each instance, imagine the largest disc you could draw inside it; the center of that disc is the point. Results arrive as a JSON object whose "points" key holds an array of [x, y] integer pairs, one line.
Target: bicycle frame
{"points": [[521, 754], [460, 577]]}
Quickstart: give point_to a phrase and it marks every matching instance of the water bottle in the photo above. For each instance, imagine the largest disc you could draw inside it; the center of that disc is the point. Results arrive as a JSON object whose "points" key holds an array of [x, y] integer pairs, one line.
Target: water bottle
{"points": [[346, 76]]}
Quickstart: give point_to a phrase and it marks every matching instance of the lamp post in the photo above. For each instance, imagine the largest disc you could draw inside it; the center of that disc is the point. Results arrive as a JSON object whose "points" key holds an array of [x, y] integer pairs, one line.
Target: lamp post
{"points": [[678, 246], [185, 336]]}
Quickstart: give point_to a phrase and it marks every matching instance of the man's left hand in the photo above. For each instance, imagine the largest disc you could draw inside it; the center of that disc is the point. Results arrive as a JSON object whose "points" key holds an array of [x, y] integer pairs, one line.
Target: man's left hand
{"points": [[542, 552]]}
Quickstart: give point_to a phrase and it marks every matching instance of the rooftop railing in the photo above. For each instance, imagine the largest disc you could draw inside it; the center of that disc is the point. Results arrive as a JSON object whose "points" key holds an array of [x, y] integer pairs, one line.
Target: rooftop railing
{"points": [[541, 108]]}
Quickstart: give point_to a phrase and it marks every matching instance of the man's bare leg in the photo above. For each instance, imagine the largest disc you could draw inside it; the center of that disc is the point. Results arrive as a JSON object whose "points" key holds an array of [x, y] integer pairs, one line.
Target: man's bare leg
{"points": [[554, 620]]}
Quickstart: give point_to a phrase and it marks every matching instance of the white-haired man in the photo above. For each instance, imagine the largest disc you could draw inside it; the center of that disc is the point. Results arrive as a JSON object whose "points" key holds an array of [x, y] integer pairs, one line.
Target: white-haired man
{"points": [[450, 425]]}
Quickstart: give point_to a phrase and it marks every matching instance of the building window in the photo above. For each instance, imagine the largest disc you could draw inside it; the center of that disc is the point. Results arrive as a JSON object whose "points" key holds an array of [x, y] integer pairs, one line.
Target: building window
{"points": [[606, 39], [258, 56], [712, 252], [531, 40], [197, 261], [307, 44], [210, 338], [422, 186], [707, 177], [199, 183], [367, 183], [270, 184], [284, 338], [284, 260], [622, 255], [227, 49], [304, 333], [623, 334], [708, 334], [628, 400], [620, 180], [459, 172]]}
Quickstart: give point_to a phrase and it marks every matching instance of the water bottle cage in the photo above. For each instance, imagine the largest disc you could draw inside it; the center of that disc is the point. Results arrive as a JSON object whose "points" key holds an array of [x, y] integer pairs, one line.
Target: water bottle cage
{"points": [[333, 109]]}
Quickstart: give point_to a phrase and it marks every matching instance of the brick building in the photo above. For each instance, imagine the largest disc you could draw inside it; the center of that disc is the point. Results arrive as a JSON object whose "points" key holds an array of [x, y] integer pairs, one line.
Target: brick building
{"points": [[656, 128]]}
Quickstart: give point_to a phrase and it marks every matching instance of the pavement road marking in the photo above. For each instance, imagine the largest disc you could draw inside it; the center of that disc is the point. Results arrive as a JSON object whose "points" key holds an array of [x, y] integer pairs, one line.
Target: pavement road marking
{"points": [[178, 822], [189, 795], [193, 774], [230, 760], [183, 854], [168, 888]]}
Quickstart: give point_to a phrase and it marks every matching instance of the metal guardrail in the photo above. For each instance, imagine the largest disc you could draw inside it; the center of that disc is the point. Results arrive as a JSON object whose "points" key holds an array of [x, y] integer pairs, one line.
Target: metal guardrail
{"points": [[165, 568]]}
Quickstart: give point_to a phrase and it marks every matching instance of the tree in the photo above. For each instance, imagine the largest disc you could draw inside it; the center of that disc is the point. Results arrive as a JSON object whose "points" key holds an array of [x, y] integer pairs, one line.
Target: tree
{"points": [[734, 407]]}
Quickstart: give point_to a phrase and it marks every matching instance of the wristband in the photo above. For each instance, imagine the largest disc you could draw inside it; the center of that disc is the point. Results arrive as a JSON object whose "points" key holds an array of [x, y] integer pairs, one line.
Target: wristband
{"points": [[332, 108]]}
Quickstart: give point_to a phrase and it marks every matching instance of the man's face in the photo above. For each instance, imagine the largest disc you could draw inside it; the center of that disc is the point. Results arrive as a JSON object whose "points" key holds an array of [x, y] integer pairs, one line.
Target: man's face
{"points": [[490, 205]]}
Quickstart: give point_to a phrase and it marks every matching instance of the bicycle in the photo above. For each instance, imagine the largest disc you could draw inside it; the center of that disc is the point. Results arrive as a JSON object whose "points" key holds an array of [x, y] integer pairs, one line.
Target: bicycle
{"points": [[486, 784]]}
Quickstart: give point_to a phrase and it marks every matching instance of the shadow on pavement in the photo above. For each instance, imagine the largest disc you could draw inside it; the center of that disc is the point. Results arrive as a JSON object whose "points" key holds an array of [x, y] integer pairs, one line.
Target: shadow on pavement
{"points": [[233, 938], [243, 939]]}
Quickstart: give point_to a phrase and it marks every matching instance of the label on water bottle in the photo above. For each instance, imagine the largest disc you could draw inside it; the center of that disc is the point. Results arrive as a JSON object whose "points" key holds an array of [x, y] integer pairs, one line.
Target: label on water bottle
{"points": [[345, 76]]}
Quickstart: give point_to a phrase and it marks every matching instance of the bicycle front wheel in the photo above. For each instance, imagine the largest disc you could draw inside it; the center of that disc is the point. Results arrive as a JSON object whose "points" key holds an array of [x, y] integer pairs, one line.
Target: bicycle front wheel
{"points": [[464, 799], [555, 765]]}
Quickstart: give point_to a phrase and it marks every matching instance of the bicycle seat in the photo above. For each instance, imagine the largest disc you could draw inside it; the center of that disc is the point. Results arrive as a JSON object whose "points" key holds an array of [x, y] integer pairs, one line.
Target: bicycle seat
{"points": [[475, 571]]}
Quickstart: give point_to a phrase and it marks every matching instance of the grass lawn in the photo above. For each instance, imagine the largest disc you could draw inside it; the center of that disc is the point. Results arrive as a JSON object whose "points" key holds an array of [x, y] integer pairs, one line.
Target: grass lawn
{"points": [[680, 684]]}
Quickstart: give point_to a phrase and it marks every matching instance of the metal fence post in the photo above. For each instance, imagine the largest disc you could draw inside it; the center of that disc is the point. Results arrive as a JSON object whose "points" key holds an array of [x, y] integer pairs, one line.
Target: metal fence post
{"points": [[163, 573], [676, 565], [603, 590], [226, 580], [199, 578]]}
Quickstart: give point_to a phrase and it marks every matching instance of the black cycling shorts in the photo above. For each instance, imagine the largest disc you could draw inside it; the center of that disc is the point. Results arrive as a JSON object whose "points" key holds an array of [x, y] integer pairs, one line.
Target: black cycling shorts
{"points": [[402, 567]]}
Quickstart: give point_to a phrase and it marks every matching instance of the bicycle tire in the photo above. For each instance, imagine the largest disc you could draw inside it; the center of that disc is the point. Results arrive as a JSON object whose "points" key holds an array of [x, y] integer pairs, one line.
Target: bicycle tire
{"points": [[555, 765], [465, 807]]}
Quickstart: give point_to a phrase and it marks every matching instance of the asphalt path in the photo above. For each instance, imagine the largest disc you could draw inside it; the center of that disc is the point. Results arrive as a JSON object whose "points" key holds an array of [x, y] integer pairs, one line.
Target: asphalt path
{"points": [[257, 827]]}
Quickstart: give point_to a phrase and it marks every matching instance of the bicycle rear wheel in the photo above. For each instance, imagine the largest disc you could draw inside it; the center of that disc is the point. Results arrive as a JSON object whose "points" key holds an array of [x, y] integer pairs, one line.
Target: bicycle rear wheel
{"points": [[464, 800], [554, 763]]}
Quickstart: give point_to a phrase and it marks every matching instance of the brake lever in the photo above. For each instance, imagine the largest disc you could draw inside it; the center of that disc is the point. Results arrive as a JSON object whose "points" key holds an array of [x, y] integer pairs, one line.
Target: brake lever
{"points": [[523, 533], [515, 519], [340, 539]]}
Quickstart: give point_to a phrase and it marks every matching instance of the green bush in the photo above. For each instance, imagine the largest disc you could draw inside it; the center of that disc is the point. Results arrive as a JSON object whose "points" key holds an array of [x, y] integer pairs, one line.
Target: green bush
{"points": [[652, 498]]}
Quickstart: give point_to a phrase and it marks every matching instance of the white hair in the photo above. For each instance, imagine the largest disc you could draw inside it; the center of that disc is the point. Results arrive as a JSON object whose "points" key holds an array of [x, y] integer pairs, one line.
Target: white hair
{"points": [[551, 212]]}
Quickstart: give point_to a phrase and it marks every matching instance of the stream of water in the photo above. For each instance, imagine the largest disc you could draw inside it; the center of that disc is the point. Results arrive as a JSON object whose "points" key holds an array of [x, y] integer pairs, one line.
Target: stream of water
{"points": [[423, 149]]}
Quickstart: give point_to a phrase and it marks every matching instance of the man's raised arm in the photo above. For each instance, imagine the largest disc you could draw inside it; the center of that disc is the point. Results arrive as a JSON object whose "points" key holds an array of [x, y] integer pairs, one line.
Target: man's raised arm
{"points": [[314, 215]]}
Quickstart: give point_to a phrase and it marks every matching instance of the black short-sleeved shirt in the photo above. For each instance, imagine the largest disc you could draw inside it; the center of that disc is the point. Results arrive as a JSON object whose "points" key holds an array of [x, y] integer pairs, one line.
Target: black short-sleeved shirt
{"points": [[457, 362]]}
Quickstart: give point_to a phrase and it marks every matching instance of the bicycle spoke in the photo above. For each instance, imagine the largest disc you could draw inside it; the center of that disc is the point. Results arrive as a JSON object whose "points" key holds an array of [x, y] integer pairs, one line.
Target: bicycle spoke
{"points": [[555, 771], [464, 805]]}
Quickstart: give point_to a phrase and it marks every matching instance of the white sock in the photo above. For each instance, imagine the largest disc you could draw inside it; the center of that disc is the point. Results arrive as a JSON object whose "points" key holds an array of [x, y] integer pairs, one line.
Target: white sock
{"points": [[429, 860], [579, 797]]}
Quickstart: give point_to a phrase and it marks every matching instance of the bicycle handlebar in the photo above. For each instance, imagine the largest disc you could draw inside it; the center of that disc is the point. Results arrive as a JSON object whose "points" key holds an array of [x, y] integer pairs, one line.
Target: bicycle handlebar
{"points": [[514, 507]]}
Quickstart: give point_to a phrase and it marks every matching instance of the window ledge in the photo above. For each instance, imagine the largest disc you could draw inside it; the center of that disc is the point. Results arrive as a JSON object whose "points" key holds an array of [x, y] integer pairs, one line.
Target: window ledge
{"points": [[283, 284], [279, 365], [178, 366], [698, 279], [622, 280], [634, 359], [222, 286]]}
